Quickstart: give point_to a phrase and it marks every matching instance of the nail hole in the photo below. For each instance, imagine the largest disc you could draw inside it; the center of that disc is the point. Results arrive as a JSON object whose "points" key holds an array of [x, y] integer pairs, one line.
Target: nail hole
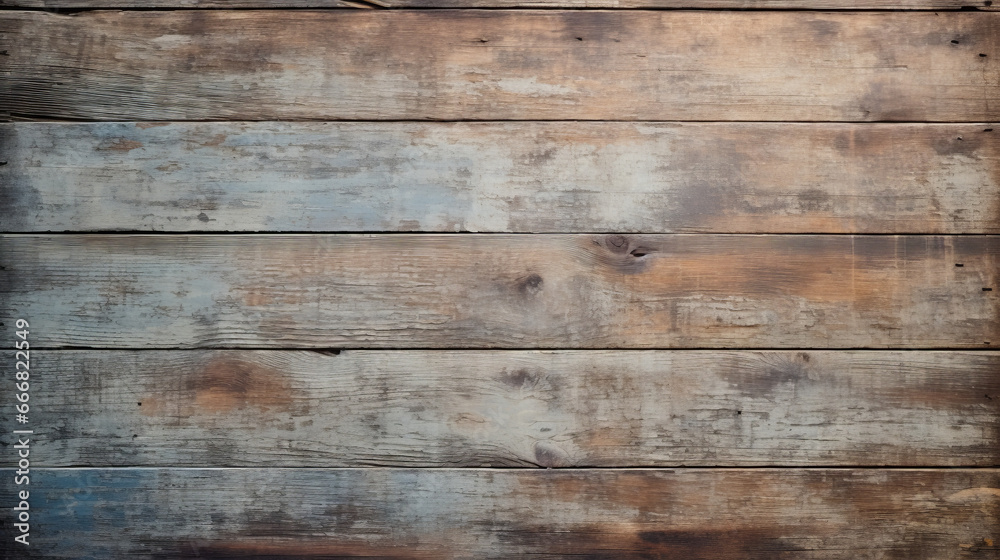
{"points": [[987, 130], [638, 253], [954, 41], [959, 265], [987, 289], [982, 55], [328, 352], [483, 40], [959, 138], [579, 38], [140, 404], [739, 412], [3, 163]]}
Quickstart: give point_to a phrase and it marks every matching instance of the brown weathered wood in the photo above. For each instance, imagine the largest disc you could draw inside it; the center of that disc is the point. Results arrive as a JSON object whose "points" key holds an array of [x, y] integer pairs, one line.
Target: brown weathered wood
{"points": [[520, 177], [489, 65], [504, 291], [472, 513], [725, 4], [515, 408], [242, 4], [263, 4]]}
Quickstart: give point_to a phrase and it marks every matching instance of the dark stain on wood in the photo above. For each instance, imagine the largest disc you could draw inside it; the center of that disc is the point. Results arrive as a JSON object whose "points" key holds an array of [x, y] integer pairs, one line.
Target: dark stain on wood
{"points": [[966, 145], [519, 379], [530, 285], [226, 385], [825, 29]]}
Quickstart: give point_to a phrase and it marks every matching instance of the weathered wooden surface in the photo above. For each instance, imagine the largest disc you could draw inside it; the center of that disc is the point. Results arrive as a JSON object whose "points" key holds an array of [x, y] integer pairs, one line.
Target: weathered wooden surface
{"points": [[520, 177], [514, 408], [725, 4], [152, 418], [574, 4], [501, 290], [443, 513], [486, 65]]}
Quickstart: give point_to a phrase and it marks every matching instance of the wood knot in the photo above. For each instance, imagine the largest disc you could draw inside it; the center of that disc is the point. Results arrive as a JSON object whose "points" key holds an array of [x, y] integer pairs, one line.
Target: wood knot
{"points": [[549, 455], [616, 243], [530, 285]]}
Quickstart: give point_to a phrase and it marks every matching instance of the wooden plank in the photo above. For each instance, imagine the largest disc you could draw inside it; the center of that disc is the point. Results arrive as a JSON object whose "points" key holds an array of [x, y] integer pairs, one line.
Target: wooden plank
{"points": [[499, 65], [258, 4], [518, 177], [503, 291], [515, 408], [575, 4], [472, 513]]}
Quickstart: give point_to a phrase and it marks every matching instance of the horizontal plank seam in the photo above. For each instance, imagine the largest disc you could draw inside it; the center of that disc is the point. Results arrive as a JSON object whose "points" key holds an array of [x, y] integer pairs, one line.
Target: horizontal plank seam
{"points": [[531, 469], [208, 233], [7, 117], [374, 5], [305, 233], [70, 122], [340, 350]]}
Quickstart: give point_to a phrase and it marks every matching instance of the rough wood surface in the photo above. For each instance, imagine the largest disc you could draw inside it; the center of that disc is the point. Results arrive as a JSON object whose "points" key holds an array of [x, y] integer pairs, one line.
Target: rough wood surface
{"points": [[514, 408], [571, 4], [519, 177], [497, 64], [264, 4], [503, 291], [443, 514], [710, 4]]}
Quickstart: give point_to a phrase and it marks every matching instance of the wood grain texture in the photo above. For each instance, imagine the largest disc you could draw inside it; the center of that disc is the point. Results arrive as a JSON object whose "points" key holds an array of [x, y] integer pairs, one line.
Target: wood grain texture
{"points": [[515, 408], [499, 65], [503, 291], [443, 513], [674, 4], [255, 4], [507, 177]]}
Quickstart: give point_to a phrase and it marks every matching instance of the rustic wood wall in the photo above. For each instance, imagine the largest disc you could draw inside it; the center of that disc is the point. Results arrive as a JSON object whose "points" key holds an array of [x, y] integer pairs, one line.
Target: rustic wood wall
{"points": [[420, 279]]}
